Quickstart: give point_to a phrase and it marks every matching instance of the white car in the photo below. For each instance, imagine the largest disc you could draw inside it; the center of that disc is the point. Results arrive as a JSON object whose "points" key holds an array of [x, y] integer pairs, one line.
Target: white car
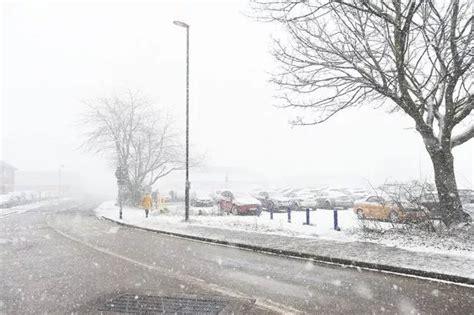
{"points": [[330, 199], [309, 202], [304, 198]]}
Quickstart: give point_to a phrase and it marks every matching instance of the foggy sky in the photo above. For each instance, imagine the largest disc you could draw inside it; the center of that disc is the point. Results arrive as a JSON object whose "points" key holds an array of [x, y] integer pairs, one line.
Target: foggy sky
{"points": [[54, 55]]}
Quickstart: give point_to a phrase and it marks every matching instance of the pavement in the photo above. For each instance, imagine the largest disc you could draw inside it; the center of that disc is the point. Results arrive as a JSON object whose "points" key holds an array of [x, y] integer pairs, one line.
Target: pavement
{"points": [[63, 259]]}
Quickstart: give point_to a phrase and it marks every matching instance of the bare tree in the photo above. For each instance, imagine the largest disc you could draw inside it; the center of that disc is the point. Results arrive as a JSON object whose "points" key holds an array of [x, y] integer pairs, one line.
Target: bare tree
{"points": [[155, 152], [415, 56], [133, 136], [111, 124]]}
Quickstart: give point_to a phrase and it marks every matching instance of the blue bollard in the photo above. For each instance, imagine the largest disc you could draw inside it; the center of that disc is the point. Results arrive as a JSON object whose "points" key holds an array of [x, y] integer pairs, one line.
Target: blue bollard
{"points": [[336, 225], [307, 216], [271, 213], [289, 215]]}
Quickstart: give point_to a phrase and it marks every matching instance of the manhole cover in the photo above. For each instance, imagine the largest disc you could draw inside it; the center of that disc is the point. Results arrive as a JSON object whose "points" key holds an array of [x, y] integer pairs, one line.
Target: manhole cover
{"points": [[145, 304]]}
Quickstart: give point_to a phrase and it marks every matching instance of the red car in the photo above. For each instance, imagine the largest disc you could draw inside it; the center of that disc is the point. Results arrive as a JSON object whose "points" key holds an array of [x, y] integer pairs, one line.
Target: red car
{"points": [[238, 203]]}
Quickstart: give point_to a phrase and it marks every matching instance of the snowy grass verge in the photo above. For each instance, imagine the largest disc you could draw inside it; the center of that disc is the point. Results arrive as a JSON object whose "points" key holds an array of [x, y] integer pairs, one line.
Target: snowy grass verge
{"points": [[321, 221], [385, 234]]}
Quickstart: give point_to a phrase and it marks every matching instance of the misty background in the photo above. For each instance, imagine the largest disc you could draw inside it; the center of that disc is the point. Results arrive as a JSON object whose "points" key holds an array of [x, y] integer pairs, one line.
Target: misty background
{"points": [[56, 55]]}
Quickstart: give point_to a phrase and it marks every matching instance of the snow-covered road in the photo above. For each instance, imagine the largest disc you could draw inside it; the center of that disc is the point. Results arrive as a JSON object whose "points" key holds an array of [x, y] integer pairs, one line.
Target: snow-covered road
{"points": [[63, 259]]}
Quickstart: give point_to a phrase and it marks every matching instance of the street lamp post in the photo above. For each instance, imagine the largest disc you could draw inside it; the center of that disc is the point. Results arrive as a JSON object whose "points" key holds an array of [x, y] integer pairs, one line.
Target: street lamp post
{"points": [[187, 184]]}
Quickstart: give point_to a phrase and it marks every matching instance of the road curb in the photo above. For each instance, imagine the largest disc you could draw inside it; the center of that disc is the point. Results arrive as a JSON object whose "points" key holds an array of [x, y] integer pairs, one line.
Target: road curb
{"points": [[310, 256]]}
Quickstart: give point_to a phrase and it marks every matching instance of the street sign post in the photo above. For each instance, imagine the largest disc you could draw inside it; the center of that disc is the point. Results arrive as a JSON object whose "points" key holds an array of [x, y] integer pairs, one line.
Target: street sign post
{"points": [[121, 173]]}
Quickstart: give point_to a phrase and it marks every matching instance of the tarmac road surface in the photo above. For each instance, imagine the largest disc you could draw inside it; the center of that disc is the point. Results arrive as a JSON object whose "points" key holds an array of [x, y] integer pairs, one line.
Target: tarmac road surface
{"points": [[63, 259]]}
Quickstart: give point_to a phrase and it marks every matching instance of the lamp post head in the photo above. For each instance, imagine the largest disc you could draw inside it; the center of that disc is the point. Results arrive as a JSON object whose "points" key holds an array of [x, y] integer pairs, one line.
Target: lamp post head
{"points": [[182, 24]]}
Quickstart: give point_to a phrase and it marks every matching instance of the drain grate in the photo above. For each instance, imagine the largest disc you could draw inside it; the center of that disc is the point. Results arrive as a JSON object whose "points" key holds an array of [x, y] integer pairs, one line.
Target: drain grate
{"points": [[146, 304]]}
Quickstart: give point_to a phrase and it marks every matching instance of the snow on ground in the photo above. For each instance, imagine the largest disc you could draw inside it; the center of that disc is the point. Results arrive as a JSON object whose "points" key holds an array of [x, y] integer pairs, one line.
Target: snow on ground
{"points": [[459, 242], [322, 227], [321, 220], [24, 197], [27, 207]]}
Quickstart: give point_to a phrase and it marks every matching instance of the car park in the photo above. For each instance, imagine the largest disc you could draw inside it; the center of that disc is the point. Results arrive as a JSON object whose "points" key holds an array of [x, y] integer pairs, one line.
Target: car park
{"points": [[228, 202]]}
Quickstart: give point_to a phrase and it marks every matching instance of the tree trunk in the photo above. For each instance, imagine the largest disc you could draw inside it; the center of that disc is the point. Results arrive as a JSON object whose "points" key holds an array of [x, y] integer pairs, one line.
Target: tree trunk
{"points": [[445, 180]]}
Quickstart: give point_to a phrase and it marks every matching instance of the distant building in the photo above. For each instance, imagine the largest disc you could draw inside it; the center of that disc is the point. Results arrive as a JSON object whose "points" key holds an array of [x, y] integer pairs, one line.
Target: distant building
{"points": [[7, 177]]}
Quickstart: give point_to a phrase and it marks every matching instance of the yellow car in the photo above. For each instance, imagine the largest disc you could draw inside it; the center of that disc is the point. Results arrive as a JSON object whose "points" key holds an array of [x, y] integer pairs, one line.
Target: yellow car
{"points": [[378, 208]]}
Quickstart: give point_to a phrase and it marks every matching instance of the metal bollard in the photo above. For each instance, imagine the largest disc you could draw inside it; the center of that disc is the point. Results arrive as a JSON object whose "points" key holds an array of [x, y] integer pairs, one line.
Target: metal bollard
{"points": [[336, 225], [307, 217], [289, 214], [271, 213]]}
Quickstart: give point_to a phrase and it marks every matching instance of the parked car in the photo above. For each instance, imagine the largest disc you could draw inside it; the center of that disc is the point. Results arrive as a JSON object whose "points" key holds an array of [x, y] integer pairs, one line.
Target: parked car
{"points": [[308, 202], [330, 199], [264, 198], [379, 208], [276, 202], [302, 198], [216, 195], [430, 200], [199, 199], [229, 202], [359, 193]]}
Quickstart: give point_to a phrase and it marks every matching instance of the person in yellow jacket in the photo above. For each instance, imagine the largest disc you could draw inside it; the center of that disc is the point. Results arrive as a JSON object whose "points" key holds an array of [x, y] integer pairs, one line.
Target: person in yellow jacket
{"points": [[147, 204]]}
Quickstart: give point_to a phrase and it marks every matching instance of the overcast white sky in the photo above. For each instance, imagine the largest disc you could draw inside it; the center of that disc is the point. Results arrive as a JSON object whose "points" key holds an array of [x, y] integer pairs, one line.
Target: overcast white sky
{"points": [[55, 54]]}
